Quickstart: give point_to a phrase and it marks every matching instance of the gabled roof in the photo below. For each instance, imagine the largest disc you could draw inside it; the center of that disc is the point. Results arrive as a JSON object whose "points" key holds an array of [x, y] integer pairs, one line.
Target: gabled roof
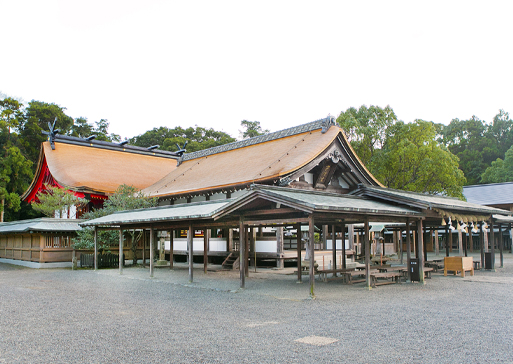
{"points": [[98, 167], [490, 194], [425, 201], [266, 159], [44, 224]]}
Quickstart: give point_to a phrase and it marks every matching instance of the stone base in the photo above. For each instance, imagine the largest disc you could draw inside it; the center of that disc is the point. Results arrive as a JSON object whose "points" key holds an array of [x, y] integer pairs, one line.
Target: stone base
{"points": [[162, 262]]}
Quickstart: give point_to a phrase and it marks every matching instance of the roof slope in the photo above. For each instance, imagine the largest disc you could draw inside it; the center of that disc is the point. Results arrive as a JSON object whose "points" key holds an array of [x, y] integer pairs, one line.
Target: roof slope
{"points": [[256, 160], [426, 201], [92, 168], [44, 224], [490, 194]]}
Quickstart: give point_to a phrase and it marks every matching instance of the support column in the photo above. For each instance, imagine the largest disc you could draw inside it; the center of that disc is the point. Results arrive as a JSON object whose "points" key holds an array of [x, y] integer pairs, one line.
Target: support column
{"points": [[246, 250], [450, 240], [501, 245], [465, 242], [481, 244], [334, 247], [298, 251], [229, 244], [279, 247], [96, 248], [120, 251], [344, 246], [152, 238], [171, 249], [242, 254], [205, 249], [366, 241], [460, 242], [492, 243], [324, 241], [311, 246], [426, 232], [436, 243], [350, 236], [401, 245], [421, 250], [144, 248], [408, 248], [190, 248], [446, 240], [470, 240]]}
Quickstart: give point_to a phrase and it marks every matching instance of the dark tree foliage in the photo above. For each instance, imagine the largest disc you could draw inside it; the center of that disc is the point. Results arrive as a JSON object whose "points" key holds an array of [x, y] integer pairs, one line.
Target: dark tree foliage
{"points": [[197, 138]]}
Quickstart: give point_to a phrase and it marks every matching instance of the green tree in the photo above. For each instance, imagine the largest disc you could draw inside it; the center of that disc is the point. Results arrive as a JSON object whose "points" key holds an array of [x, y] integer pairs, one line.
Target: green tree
{"points": [[10, 113], [15, 176], [54, 201], [500, 170], [252, 129], [412, 160], [125, 198], [197, 138], [81, 128], [367, 129]]}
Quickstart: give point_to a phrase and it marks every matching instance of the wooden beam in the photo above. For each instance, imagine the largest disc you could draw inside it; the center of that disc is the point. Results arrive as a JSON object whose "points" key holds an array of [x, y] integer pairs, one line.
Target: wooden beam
{"points": [[270, 212]]}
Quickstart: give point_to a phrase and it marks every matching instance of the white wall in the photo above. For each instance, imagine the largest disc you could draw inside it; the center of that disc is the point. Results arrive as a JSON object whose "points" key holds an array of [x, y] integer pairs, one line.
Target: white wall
{"points": [[339, 244]]}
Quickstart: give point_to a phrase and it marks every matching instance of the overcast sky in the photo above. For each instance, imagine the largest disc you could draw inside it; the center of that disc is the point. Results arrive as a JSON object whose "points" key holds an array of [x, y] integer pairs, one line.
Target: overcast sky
{"points": [[145, 64]]}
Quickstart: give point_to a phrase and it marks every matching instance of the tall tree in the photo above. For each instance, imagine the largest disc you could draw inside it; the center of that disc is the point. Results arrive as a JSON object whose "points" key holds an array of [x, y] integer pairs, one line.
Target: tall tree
{"points": [[252, 129], [500, 170], [412, 160], [367, 129]]}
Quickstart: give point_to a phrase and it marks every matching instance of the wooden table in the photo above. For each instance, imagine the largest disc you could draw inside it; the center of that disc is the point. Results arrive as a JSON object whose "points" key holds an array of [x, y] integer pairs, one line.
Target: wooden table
{"points": [[323, 273], [348, 276], [396, 278]]}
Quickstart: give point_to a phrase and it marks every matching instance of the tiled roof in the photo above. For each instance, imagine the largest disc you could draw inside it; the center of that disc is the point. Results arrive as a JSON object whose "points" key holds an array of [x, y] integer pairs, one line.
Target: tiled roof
{"points": [[44, 224], [490, 194], [323, 124]]}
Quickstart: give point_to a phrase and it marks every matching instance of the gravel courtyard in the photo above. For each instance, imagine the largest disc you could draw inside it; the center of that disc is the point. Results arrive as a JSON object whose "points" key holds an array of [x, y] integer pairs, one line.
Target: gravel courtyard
{"points": [[86, 316]]}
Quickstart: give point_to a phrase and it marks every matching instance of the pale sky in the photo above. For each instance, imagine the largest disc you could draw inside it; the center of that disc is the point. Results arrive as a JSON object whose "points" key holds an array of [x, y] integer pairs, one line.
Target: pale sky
{"points": [[145, 64]]}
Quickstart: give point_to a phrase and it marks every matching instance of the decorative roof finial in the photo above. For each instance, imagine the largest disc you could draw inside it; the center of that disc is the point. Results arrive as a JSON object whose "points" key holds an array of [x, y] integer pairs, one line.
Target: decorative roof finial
{"points": [[51, 133]]}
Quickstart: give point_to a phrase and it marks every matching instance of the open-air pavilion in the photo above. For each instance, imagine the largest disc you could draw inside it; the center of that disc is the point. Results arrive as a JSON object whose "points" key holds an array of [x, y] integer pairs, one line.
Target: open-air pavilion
{"points": [[281, 207]]}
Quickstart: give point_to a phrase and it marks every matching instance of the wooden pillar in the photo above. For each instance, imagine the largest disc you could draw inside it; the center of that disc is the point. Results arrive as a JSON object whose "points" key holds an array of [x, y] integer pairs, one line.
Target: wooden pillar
{"points": [[436, 243], [298, 251], [324, 241], [144, 248], [446, 240], [394, 241], [242, 254], [470, 240], [366, 242], [190, 248], [171, 249], [425, 240], [460, 242], [501, 245], [401, 245], [481, 244], [120, 251], [492, 242], [408, 247], [511, 236], [252, 246], [350, 235], [344, 246], [152, 238], [465, 241], [334, 247], [450, 240], [279, 247], [95, 248], [205, 249], [421, 250], [246, 250], [229, 244], [311, 246]]}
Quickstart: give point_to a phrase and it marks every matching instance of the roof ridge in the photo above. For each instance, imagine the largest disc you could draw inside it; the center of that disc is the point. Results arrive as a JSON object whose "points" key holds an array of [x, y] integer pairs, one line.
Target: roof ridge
{"points": [[324, 124], [408, 192]]}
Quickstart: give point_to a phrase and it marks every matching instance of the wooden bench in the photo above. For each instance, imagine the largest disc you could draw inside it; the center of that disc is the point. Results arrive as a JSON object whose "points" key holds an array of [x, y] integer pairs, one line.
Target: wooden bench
{"points": [[348, 276], [323, 273], [427, 272], [435, 265], [396, 278], [458, 264]]}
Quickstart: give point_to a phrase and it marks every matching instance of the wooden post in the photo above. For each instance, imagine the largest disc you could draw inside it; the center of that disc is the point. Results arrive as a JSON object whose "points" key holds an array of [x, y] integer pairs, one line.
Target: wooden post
{"points": [[242, 254], [408, 247], [350, 235], [334, 247], [436, 243], [421, 250], [279, 247], [501, 245], [450, 240], [298, 251], [171, 249], [465, 241], [471, 240], [460, 242], [311, 246], [492, 243], [230, 240], [95, 248], [394, 242], [120, 251], [144, 248], [401, 245], [252, 247], [246, 250], [481, 244], [425, 240], [151, 250], [446, 240], [366, 242], [205, 249], [511, 236], [343, 246], [324, 241], [190, 248]]}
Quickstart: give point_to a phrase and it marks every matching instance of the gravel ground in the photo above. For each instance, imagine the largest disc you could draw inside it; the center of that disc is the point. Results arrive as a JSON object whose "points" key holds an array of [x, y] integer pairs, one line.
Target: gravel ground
{"points": [[85, 316]]}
